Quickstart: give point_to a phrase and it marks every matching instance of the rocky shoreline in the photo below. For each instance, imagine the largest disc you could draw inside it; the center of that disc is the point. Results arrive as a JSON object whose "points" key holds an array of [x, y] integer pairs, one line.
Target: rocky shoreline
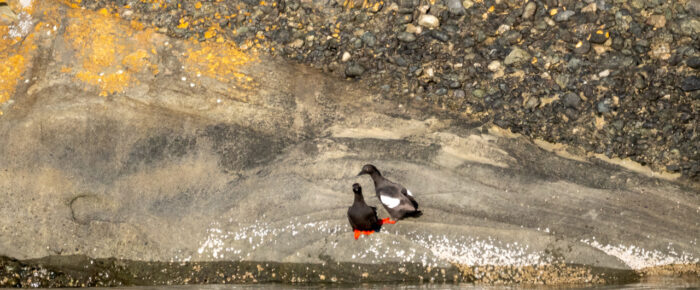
{"points": [[618, 78], [82, 271]]}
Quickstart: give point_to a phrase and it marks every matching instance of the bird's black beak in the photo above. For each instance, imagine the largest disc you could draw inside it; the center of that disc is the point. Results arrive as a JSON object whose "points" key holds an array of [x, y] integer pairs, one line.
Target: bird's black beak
{"points": [[361, 172]]}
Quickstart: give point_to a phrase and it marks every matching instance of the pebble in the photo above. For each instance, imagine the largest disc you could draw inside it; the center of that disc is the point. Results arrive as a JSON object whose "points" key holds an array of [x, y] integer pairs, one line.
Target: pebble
{"points": [[354, 70], [604, 73], [603, 106], [532, 103], [439, 35], [517, 56], [455, 7], [346, 56], [661, 50], [693, 62], [571, 100], [428, 21], [599, 37], [690, 27], [564, 16], [405, 18], [637, 4], [467, 4], [512, 37], [529, 10], [657, 21], [503, 28], [574, 64], [690, 84], [495, 66], [297, 43], [590, 8], [468, 42], [369, 39], [459, 94], [582, 47], [413, 29], [479, 93], [406, 37]]}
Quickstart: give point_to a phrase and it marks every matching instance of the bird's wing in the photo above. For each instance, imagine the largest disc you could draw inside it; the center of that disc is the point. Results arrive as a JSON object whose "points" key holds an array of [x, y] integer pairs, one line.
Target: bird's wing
{"points": [[373, 217], [390, 196], [350, 219], [407, 193]]}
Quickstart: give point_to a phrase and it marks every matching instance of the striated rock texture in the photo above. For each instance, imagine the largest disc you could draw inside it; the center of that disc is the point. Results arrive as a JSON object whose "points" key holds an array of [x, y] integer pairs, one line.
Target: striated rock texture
{"points": [[249, 159]]}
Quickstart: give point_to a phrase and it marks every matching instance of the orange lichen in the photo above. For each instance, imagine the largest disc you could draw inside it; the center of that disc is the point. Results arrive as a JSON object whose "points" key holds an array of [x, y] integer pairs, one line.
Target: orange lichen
{"points": [[112, 54], [15, 56], [106, 54], [217, 60]]}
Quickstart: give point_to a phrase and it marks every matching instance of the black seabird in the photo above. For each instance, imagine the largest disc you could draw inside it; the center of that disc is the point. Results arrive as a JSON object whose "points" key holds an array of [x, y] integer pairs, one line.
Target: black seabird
{"points": [[397, 200], [362, 217]]}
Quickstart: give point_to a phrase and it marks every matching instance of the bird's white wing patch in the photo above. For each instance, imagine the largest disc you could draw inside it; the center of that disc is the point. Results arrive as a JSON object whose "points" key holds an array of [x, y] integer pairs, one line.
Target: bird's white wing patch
{"points": [[409, 192], [389, 201]]}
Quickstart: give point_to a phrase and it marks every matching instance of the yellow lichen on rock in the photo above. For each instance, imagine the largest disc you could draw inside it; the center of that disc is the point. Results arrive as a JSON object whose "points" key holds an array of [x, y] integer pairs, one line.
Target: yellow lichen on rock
{"points": [[108, 50], [221, 61], [15, 55]]}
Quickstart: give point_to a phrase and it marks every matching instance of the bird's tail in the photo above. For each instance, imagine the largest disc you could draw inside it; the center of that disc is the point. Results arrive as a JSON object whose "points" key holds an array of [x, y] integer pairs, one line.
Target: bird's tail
{"points": [[414, 214]]}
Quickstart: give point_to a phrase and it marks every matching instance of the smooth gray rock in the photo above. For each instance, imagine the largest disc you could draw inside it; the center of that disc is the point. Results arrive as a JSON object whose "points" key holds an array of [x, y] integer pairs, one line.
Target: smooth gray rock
{"points": [[529, 10], [354, 70], [455, 7], [517, 56], [571, 99], [406, 37], [564, 15]]}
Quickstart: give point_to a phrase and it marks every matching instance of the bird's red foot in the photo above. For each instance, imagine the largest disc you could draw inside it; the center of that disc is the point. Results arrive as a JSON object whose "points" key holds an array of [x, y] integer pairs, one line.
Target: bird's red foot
{"points": [[358, 233], [388, 221]]}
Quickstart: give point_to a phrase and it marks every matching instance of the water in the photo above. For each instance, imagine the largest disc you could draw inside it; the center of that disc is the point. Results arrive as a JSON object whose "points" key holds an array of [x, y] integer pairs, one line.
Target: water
{"points": [[655, 283]]}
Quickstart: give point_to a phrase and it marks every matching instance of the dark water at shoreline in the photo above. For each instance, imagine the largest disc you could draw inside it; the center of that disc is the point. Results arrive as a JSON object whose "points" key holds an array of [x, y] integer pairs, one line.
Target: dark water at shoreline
{"points": [[72, 271], [665, 283]]}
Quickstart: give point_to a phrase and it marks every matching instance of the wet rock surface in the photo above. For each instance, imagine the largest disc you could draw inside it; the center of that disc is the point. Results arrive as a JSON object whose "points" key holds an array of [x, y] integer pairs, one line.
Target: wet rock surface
{"points": [[640, 42], [209, 154]]}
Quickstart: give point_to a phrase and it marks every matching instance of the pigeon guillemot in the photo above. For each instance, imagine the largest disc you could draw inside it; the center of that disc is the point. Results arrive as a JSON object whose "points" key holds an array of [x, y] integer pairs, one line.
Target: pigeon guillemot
{"points": [[397, 200], [362, 217]]}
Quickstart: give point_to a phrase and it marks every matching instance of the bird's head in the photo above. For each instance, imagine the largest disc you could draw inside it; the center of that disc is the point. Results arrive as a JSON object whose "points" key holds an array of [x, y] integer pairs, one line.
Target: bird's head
{"points": [[369, 169], [356, 188]]}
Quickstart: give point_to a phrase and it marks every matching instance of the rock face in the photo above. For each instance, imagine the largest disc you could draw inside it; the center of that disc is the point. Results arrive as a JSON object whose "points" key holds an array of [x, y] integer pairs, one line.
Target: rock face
{"points": [[169, 170]]}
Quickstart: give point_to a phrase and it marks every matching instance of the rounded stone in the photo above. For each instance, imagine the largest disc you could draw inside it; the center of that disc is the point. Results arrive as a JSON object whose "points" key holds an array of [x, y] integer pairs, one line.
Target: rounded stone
{"points": [[406, 36], [571, 100], [529, 10], [517, 56], [693, 62], [428, 21], [346, 56], [354, 70], [690, 84]]}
